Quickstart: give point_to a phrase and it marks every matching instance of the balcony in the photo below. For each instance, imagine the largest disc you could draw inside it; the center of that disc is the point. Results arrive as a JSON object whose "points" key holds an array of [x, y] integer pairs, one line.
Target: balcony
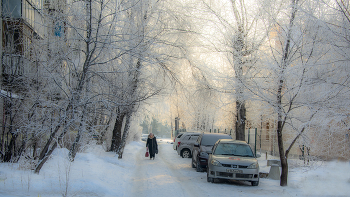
{"points": [[27, 10], [13, 69]]}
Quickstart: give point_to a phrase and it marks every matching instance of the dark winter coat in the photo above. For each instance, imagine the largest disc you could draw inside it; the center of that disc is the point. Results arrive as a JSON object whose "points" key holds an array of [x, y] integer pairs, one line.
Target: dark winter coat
{"points": [[152, 145]]}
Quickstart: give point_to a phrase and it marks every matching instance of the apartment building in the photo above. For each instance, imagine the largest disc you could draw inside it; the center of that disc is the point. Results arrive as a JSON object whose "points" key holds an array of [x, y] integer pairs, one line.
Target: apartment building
{"points": [[22, 23]]}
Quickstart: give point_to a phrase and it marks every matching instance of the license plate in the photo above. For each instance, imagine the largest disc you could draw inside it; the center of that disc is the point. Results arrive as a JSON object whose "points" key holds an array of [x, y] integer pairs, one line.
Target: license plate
{"points": [[234, 171]]}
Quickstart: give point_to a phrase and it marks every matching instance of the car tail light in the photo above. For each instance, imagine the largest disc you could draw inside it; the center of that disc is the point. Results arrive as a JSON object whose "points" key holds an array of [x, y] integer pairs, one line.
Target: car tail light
{"points": [[174, 139], [178, 144]]}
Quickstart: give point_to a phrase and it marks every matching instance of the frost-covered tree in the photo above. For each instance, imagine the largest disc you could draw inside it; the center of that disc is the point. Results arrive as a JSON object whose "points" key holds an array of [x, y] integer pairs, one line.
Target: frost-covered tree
{"points": [[146, 65], [336, 126], [295, 72], [97, 62], [237, 36], [93, 47]]}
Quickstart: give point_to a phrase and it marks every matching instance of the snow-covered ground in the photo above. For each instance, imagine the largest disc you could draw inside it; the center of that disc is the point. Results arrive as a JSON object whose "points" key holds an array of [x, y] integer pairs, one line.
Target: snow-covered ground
{"points": [[99, 173]]}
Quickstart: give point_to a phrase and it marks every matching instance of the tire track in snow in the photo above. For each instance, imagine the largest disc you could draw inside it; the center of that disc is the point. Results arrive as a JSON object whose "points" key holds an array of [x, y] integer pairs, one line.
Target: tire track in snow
{"points": [[160, 177], [139, 184], [184, 179]]}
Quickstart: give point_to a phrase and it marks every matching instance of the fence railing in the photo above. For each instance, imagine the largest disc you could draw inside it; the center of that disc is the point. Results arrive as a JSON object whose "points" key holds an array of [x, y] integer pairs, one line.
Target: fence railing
{"points": [[261, 141], [324, 147]]}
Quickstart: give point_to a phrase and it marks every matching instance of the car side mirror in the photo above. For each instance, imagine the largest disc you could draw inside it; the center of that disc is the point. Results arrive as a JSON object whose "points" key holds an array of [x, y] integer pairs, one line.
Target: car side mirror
{"points": [[196, 144], [257, 155]]}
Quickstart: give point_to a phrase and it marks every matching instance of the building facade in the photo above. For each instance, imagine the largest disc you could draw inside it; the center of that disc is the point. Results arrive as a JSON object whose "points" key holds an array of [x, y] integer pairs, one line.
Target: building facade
{"points": [[23, 22]]}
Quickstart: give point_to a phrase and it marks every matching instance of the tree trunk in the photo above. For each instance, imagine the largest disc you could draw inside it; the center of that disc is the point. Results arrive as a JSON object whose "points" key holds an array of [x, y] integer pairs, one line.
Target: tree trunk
{"points": [[10, 149], [125, 136], [284, 162], [74, 149], [47, 145], [238, 47], [49, 152], [130, 110], [241, 120], [281, 115], [35, 144], [46, 157], [280, 125], [117, 133], [20, 150]]}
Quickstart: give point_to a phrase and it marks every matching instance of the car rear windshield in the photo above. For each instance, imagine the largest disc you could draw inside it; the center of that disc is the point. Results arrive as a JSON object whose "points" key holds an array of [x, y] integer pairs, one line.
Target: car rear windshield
{"points": [[234, 149], [190, 137], [179, 135], [210, 140]]}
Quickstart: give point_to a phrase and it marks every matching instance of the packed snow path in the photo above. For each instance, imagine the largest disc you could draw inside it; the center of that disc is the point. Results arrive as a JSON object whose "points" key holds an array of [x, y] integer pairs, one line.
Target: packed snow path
{"points": [[161, 177]]}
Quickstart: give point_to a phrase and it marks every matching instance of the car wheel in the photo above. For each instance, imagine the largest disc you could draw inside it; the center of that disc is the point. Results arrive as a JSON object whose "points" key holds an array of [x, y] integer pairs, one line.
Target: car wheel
{"points": [[186, 153], [255, 183], [198, 168]]}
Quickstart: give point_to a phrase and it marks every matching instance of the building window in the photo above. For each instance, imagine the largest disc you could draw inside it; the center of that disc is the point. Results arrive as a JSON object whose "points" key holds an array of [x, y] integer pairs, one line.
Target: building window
{"points": [[11, 8]]}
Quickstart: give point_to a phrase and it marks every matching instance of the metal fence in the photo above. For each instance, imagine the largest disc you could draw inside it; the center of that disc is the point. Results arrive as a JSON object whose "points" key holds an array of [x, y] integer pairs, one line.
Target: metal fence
{"points": [[325, 146], [262, 141]]}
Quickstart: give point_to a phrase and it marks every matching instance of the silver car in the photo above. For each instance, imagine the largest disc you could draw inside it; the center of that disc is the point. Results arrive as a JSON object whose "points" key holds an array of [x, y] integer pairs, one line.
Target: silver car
{"points": [[176, 140], [233, 160], [185, 144]]}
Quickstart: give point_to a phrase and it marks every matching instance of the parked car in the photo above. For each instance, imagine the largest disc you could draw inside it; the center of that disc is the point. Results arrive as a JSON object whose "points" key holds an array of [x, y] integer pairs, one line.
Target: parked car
{"points": [[176, 140], [144, 137], [203, 147], [233, 160], [185, 144]]}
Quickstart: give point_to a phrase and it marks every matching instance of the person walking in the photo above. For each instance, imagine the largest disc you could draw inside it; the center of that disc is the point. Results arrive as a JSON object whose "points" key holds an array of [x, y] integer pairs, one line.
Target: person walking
{"points": [[152, 145]]}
